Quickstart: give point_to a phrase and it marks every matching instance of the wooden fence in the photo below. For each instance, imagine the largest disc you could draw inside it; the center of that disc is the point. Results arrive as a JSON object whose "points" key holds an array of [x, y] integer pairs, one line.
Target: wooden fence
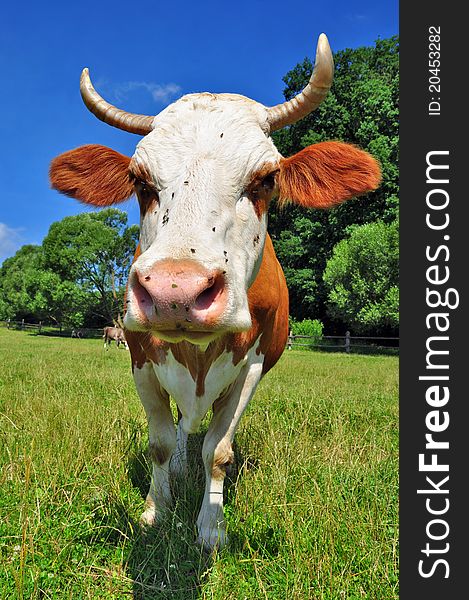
{"points": [[54, 330], [345, 343], [328, 343]]}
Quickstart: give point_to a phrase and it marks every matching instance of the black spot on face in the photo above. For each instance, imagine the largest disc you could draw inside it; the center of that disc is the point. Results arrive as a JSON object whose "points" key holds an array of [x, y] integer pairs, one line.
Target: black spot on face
{"points": [[193, 250]]}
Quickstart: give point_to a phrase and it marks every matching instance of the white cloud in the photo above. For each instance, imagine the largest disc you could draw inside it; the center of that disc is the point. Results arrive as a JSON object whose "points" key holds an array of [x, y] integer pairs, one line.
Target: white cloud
{"points": [[10, 241], [161, 93]]}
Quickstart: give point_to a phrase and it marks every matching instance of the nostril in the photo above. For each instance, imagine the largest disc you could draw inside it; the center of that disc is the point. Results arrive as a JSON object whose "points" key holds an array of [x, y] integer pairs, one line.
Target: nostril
{"points": [[141, 294], [211, 293]]}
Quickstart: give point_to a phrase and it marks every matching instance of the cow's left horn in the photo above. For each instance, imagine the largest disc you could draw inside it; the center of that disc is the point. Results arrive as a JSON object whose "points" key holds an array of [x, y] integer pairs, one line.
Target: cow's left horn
{"points": [[314, 93], [141, 124]]}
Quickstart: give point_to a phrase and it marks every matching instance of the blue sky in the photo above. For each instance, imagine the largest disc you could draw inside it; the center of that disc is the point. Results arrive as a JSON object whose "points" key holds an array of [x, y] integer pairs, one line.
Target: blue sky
{"points": [[141, 56]]}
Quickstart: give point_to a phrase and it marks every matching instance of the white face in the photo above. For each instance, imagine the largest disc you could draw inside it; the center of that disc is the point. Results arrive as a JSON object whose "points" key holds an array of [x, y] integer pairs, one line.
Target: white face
{"points": [[202, 233]]}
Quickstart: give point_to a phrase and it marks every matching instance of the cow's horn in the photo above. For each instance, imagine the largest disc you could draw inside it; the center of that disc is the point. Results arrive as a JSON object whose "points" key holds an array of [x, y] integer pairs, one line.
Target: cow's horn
{"points": [[141, 124], [314, 93]]}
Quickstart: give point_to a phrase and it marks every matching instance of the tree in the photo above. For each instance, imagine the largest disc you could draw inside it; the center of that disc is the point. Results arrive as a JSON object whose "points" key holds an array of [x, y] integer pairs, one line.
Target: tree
{"points": [[362, 279], [93, 251], [77, 277], [29, 292], [19, 282], [361, 108]]}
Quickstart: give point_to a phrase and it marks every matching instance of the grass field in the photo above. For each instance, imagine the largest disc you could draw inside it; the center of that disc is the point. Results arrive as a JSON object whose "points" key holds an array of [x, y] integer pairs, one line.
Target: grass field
{"points": [[311, 505]]}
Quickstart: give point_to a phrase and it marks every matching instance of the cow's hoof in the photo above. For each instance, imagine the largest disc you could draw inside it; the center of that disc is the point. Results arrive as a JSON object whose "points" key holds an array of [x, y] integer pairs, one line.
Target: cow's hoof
{"points": [[213, 539], [148, 518], [151, 515]]}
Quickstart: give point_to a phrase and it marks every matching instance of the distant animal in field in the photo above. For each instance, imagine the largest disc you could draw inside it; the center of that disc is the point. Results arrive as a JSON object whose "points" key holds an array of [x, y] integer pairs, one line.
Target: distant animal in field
{"points": [[114, 333], [207, 302]]}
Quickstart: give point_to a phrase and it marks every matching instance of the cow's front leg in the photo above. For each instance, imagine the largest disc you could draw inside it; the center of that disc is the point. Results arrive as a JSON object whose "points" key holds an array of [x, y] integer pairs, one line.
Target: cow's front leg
{"points": [[217, 453], [162, 440], [179, 458]]}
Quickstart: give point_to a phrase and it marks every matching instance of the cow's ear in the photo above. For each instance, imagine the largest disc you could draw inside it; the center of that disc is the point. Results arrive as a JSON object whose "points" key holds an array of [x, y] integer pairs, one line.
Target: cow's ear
{"points": [[326, 174], [92, 174]]}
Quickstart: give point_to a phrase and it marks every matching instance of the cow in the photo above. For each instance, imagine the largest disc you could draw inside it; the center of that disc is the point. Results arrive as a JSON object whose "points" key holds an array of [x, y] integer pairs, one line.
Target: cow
{"points": [[116, 334], [207, 303]]}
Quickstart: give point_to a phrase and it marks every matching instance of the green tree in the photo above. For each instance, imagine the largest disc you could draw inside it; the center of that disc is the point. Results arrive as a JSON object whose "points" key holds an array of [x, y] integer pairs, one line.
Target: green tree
{"points": [[18, 283], [77, 277], [93, 251], [361, 108], [28, 291], [362, 277]]}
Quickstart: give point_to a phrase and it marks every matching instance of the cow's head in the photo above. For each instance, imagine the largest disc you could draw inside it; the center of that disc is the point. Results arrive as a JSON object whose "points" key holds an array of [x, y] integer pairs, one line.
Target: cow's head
{"points": [[204, 174]]}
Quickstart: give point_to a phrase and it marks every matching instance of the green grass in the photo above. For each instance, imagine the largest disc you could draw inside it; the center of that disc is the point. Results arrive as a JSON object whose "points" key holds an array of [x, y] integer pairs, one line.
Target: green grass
{"points": [[311, 505]]}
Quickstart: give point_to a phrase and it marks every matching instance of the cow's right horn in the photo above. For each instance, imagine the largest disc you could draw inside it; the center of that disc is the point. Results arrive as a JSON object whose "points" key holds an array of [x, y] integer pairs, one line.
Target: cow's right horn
{"points": [[140, 124], [314, 93]]}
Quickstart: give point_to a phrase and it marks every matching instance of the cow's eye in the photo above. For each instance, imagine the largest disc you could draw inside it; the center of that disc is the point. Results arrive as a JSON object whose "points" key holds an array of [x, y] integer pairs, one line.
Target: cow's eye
{"points": [[261, 187], [145, 193], [268, 183]]}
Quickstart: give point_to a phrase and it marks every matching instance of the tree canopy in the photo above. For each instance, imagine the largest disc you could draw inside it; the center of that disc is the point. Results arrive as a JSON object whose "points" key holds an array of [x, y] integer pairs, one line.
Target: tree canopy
{"points": [[362, 279], [76, 277], [362, 109]]}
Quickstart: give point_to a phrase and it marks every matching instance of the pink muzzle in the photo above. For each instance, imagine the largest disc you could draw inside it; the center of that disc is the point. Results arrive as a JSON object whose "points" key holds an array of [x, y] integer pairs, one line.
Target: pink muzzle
{"points": [[179, 294]]}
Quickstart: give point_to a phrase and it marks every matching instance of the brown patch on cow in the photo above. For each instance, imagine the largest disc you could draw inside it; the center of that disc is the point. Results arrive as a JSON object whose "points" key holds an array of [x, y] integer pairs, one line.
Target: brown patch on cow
{"points": [[92, 174], [326, 174], [223, 457], [261, 188], [145, 347], [268, 304], [159, 454], [196, 361]]}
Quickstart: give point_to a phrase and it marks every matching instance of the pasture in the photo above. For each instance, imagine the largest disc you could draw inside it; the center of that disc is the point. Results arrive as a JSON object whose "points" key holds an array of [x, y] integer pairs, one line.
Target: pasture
{"points": [[311, 504]]}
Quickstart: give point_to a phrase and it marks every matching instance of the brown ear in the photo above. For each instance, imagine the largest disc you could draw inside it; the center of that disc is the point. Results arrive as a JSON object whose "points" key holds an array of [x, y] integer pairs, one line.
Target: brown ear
{"points": [[92, 174], [326, 174]]}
